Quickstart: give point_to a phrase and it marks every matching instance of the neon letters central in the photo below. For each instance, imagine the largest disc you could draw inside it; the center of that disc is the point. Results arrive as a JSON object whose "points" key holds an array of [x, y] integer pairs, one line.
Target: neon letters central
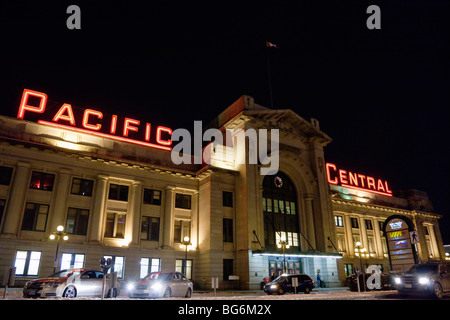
{"points": [[92, 122], [356, 181]]}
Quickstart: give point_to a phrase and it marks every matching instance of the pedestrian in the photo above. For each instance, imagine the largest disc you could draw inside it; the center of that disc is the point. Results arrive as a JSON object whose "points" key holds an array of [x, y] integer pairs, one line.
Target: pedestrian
{"points": [[272, 277], [319, 283]]}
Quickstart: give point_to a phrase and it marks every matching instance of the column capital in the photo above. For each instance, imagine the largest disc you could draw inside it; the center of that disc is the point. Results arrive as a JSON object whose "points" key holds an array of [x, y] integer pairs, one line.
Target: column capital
{"points": [[171, 187], [103, 177]]}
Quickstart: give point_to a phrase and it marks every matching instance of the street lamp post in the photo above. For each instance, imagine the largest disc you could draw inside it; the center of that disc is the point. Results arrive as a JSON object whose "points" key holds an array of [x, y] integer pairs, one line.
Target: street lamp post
{"points": [[360, 252], [283, 245], [58, 235], [187, 244]]}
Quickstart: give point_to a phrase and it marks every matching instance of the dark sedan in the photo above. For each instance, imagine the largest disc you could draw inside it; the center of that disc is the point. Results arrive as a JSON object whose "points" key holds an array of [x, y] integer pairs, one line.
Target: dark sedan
{"points": [[283, 284]]}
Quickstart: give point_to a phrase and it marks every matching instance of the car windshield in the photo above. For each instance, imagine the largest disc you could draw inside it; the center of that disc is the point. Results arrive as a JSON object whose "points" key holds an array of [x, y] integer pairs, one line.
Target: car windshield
{"points": [[424, 268], [280, 279], [159, 276], [65, 273]]}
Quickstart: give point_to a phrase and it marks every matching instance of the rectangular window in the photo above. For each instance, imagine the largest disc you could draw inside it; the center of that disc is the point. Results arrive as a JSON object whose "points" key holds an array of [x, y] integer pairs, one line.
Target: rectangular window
{"points": [[115, 225], [150, 229], [182, 229], [269, 205], [264, 204], [341, 242], [184, 267], [118, 192], [27, 262], [117, 265], [152, 196], [368, 224], [227, 268], [5, 175], [82, 187], [72, 260], [348, 269], [371, 244], [339, 220], [227, 199], [275, 205], [354, 223], [149, 265], [183, 201], [227, 230], [77, 221], [42, 181], [35, 217]]}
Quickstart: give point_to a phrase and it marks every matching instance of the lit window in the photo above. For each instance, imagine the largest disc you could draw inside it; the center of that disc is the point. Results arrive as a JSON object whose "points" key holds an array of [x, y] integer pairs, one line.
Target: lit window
{"points": [[115, 225], [117, 265], [42, 181], [72, 260], [339, 220], [27, 262], [149, 265]]}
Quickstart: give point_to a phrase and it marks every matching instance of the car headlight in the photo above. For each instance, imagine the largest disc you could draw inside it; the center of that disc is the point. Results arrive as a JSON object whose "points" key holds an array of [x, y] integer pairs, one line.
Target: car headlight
{"points": [[424, 280], [274, 286], [130, 286], [156, 286], [397, 280]]}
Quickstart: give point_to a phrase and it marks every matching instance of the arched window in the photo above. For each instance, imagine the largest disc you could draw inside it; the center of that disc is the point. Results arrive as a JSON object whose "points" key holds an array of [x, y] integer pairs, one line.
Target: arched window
{"points": [[280, 211]]}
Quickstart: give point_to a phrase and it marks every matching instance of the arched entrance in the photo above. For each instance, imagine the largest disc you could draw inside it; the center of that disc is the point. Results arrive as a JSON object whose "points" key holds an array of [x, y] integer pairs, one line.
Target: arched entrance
{"points": [[281, 221]]}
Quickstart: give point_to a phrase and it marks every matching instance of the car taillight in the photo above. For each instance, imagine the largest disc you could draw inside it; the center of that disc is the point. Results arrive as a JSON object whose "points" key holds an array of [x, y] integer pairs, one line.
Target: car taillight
{"points": [[312, 281]]}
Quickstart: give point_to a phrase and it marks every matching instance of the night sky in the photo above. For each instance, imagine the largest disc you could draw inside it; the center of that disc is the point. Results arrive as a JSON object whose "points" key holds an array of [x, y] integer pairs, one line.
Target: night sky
{"points": [[382, 95]]}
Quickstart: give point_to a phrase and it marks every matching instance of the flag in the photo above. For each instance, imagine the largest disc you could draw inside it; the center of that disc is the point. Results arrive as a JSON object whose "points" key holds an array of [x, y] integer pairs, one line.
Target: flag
{"points": [[271, 45]]}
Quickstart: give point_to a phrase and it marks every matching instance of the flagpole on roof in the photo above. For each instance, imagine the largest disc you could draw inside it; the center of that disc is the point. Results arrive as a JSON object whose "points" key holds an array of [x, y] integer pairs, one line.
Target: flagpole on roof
{"points": [[270, 45]]}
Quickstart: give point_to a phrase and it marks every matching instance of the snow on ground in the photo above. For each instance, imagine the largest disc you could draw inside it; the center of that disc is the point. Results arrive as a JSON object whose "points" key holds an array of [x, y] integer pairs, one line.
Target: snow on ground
{"points": [[338, 294]]}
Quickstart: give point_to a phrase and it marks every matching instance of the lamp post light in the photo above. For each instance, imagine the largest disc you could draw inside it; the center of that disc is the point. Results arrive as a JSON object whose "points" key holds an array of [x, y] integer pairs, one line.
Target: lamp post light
{"points": [[360, 251], [283, 245], [58, 235], [187, 245]]}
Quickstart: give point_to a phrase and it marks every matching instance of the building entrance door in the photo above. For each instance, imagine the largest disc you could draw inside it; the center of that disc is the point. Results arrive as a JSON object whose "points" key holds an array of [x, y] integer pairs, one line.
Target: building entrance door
{"points": [[293, 266]]}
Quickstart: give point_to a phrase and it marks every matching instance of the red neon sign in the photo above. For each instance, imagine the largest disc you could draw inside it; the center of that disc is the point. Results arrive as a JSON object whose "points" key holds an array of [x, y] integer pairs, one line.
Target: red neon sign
{"points": [[93, 122], [356, 181]]}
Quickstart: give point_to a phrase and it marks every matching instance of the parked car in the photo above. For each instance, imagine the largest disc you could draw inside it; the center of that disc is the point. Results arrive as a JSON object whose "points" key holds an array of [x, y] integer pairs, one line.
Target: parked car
{"points": [[425, 279], [352, 282], [161, 284], [283, 284], [69, 284]]}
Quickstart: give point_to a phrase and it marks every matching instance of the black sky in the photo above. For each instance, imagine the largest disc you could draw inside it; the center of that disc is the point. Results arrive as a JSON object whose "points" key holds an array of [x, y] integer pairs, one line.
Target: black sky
{"points": [[382, 95]]}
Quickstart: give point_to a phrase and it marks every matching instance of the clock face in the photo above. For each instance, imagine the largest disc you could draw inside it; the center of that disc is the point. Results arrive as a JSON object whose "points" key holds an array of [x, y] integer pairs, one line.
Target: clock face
{"points": [[278, 182]]}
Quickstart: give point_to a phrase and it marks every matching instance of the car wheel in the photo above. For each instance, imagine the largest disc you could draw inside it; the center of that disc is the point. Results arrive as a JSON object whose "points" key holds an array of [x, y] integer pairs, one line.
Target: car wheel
{"points": [[437, 291], [167, 293], [307, 290], [280, 291], [70, 292], [188, 293]]}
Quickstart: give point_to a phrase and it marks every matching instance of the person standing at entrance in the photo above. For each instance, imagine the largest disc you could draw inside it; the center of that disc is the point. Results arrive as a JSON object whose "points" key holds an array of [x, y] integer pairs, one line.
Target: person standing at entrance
{"points": [[319, 283]]}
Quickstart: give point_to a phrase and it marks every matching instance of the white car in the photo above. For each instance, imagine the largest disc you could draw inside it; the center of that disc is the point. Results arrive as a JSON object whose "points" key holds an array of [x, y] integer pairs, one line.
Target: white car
{"points": [[161, 284], [69, 284]]}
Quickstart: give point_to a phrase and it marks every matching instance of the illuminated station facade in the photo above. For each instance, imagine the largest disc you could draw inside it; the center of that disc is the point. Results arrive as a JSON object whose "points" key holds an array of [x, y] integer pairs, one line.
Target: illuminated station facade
{"points": [[111, 183]]}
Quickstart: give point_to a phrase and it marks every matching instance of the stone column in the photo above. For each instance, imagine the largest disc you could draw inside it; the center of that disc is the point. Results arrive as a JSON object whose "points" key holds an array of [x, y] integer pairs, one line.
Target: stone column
{"points": [[311, 234], [62, 192], [168, 217], [98, 209], [194, 220], [134, 214], [16, 202], [349, 235], [378, 238]]}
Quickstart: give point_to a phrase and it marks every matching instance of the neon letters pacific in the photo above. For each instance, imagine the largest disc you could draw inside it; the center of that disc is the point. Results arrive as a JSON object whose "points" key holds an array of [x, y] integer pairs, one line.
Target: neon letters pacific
{"points": [[92, 122]]}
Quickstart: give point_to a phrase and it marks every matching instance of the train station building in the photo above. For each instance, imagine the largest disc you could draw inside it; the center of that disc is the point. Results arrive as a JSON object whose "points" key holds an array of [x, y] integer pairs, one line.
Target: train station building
{"points": [[119, 194]]}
